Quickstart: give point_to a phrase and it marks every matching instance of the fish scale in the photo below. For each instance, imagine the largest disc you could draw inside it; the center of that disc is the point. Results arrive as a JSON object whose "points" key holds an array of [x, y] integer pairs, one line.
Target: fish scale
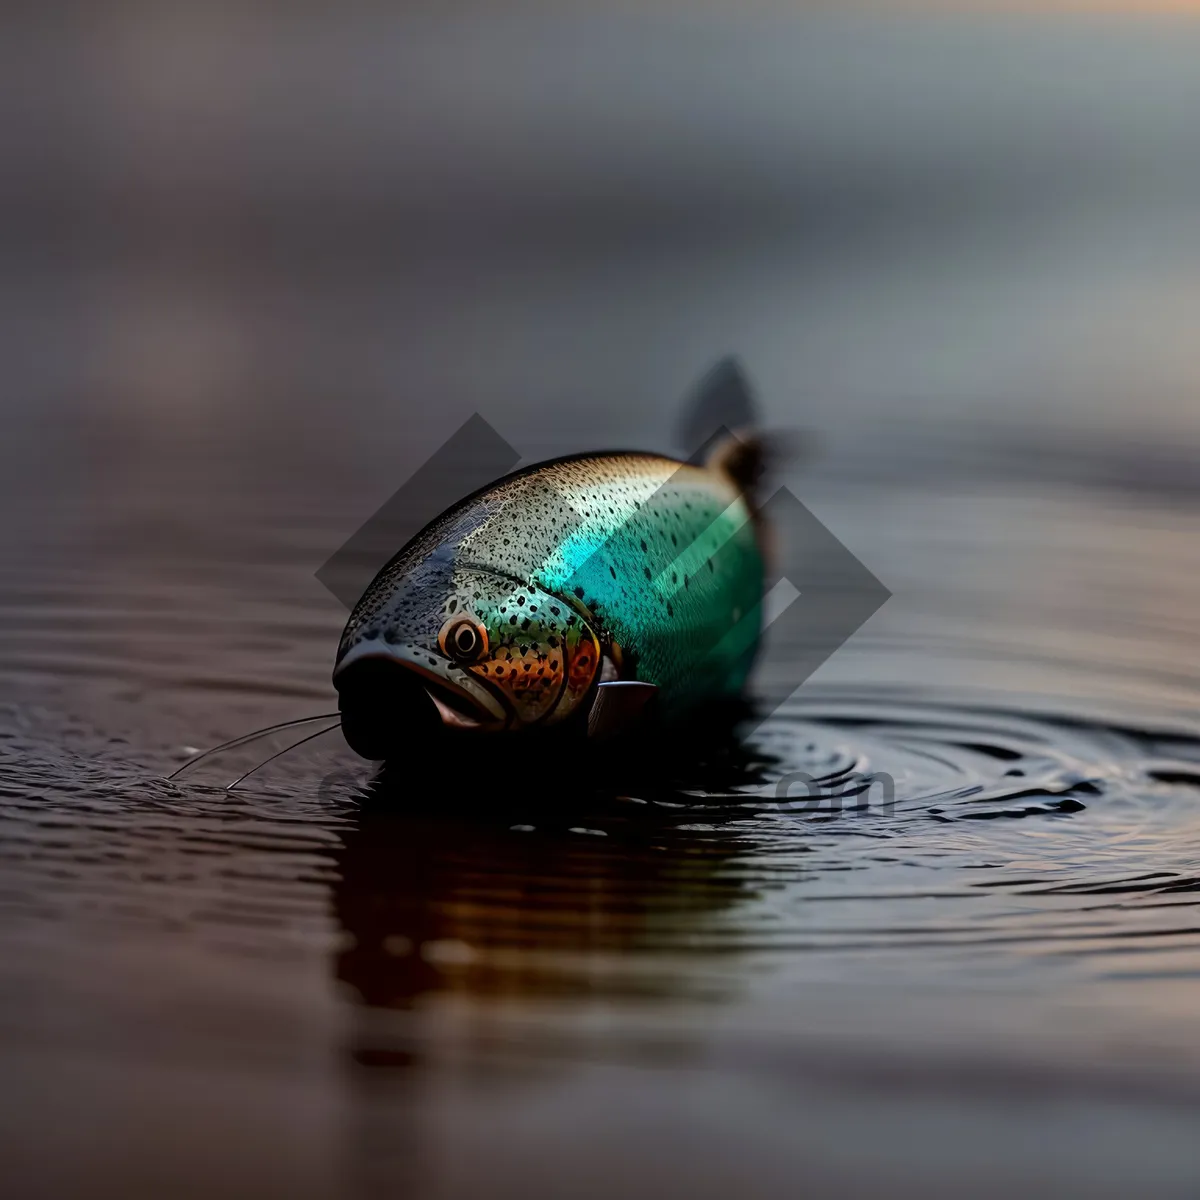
{"points": [[652, 562]]}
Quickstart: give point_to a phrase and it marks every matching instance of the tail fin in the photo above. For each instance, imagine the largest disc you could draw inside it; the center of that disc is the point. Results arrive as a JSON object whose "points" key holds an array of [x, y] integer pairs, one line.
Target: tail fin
{"points": [[743, 457]]}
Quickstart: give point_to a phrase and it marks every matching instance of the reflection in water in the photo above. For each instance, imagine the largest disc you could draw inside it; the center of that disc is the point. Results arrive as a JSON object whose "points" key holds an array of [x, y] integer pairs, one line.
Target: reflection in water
{"points": [[621, 886], [538, 891]]}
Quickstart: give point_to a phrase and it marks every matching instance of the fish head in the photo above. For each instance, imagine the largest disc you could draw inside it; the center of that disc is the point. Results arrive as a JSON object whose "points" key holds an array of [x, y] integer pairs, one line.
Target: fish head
{"points": [[465, 648]]}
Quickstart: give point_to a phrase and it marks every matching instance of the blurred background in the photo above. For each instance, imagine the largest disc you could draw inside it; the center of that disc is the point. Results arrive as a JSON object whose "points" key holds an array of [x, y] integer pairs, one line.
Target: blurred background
{"points": [[953, 226], [258, 262]]}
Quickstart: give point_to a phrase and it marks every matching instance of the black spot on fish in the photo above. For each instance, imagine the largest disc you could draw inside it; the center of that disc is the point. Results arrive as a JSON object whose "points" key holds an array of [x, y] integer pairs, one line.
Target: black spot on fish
{"points": [[512, 620], [452, 606], [554, 665], [646, 570], [579, 592], [525, 623], [521, 601], [670, 610], [554, 609], [553, 643], [612, 572]]}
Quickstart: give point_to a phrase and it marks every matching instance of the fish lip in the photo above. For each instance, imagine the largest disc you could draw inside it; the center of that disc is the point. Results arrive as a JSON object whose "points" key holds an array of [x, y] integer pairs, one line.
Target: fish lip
{"points": [[462, 703]]}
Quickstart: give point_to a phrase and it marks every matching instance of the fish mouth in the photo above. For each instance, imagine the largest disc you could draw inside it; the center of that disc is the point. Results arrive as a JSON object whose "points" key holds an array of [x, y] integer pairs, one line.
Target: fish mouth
{"points": [[388, 700]]}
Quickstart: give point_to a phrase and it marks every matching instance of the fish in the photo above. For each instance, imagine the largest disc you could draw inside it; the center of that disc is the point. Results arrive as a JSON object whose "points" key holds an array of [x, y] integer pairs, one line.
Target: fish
{"points": [[580, 598], [574, 597]]}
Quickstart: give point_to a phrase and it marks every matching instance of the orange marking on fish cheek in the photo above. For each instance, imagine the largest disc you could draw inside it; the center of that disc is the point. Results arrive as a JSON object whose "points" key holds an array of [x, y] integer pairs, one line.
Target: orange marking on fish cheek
{"points": [[584, 661]]}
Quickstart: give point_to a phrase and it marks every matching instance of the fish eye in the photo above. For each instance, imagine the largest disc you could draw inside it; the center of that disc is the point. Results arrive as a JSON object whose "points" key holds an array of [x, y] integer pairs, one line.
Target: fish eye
{"points": [[463, 640]]}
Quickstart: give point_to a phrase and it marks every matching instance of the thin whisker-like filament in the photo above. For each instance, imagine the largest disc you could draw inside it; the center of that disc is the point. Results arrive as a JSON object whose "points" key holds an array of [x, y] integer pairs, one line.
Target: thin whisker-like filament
{"points": [[279, 754], [246, 738]]}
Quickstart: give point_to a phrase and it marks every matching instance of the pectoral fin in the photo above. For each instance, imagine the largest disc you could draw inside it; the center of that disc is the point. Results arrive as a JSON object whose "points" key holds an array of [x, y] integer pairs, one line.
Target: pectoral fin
{"points": [[617, 704]]}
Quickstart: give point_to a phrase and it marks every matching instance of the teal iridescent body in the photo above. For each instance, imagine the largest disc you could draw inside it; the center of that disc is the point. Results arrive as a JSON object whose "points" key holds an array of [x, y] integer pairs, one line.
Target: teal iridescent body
{"points": [[517, 603]]}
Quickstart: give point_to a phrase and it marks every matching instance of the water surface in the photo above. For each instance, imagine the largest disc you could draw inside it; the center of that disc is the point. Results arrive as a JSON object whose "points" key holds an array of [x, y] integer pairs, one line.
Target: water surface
{"points": [[339, 981]]}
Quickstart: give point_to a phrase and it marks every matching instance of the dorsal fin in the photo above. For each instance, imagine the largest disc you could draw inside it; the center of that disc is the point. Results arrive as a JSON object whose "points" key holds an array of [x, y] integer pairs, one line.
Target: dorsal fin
{"points": [[719, 427], [721, 401]]}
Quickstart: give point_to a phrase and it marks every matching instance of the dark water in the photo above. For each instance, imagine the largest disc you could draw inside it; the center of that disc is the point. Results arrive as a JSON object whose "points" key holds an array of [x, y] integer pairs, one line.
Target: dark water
{"points": [[255, 271], [317, 984]]}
